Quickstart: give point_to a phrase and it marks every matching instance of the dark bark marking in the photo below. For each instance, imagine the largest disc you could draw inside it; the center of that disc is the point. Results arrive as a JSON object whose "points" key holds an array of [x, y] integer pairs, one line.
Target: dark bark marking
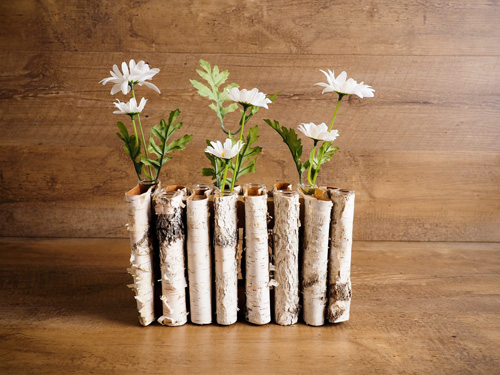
{"points": [[340, 291]]}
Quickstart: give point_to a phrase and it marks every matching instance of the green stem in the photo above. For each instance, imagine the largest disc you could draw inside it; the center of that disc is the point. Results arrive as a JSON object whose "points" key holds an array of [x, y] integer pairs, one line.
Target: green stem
{"points": [[237, 164], [243, 118], [135, 131], [224, 179], [142, 135], [316, 172], [335, 112], [319, 164], [311, 162]]}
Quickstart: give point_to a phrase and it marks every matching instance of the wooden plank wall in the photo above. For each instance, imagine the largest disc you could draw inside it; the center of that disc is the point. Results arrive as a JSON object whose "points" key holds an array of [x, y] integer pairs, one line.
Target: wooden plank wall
{"points": [[423, 155]]}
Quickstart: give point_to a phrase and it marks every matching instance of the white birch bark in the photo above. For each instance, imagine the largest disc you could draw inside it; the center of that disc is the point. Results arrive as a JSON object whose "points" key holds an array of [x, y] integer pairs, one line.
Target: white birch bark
{"points": [[236, 189], [141, 252], [170, 231], [339, 269], [258, 300], [199, 259], [315, 264], [286, 257], [226, 267]]}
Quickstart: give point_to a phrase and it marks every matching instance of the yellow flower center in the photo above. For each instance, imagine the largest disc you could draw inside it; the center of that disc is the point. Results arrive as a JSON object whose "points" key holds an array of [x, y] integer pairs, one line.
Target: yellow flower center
{"points": [[222, 153]]}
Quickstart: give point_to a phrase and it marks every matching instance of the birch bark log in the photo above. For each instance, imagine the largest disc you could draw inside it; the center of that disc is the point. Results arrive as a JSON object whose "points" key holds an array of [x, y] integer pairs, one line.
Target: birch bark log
{"points": [[199, 257], [339, 288], [168, 205], [318, 209], [258, 304], [138, 203], [226, 267], [286, 257]]}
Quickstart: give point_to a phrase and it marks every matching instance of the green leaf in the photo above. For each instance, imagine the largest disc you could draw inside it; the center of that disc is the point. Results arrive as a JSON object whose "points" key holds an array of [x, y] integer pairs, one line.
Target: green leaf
{"points": [[123, 129], [205, 65], [274, 96], [153, 148], [230, 108], [215, 78], [132, 147], [248, 154], [163, 132], [150, 162], [202, 89], [179, 144], [209, 172], [174, 115], [294, 143], [326, 152], [250, 167]]}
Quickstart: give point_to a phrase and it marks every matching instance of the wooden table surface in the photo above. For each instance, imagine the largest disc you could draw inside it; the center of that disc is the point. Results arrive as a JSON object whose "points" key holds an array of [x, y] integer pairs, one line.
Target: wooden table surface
{"points": [[429, 308]]}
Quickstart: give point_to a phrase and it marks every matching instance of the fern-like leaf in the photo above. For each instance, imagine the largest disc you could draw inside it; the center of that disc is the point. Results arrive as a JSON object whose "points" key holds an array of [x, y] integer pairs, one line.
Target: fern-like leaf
{"points": [[163, 132]]}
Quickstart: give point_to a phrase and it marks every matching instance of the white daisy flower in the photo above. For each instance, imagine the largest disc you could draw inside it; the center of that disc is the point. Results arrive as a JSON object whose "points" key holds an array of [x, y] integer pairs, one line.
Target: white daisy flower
{"points": [[136, 74], [344, 86], [130, 108], [246, 98], [224, 151], [318, 132]]}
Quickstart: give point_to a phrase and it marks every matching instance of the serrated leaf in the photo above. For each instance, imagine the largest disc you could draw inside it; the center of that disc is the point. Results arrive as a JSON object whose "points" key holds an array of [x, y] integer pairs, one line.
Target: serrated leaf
{"points": [[202, 89], [219, 79], [205, 65], [207, 76], [174, 115], [215, 78], [230, 108], [131, 146], [179, 144], [163, 132], [153, 148], [327, 151], [250, 167], [294, 143]]}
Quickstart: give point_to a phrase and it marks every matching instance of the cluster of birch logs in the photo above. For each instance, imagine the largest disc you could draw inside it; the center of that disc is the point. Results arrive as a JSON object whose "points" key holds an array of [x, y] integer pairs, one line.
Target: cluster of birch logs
{"points": [[174, 228]]}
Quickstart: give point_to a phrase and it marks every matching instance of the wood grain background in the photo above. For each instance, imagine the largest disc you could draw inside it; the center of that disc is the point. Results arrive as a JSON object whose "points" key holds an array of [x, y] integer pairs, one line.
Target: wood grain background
{"points": [[423, 155]]}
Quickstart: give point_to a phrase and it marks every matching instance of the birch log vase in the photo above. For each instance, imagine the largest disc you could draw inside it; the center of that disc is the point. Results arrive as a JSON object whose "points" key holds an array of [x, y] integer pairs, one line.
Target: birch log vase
{"points": [[339, 272], [138, 203], [258, 300], [226, 267], [168, 205], [317, 212], [199, 259], [286, 256]]}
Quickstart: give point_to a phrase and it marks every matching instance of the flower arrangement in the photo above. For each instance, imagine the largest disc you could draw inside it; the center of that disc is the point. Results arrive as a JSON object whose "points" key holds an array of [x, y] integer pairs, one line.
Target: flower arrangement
{"points": [[320, 133], [327, 220], [237, 155], [147, 158]]}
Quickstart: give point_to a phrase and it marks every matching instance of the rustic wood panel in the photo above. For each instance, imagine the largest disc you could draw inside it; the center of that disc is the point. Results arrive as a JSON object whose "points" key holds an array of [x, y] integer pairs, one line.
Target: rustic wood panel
{"points": [[423, 155], [421, 103], [365, 27], [401, 195], [433, 308]]}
